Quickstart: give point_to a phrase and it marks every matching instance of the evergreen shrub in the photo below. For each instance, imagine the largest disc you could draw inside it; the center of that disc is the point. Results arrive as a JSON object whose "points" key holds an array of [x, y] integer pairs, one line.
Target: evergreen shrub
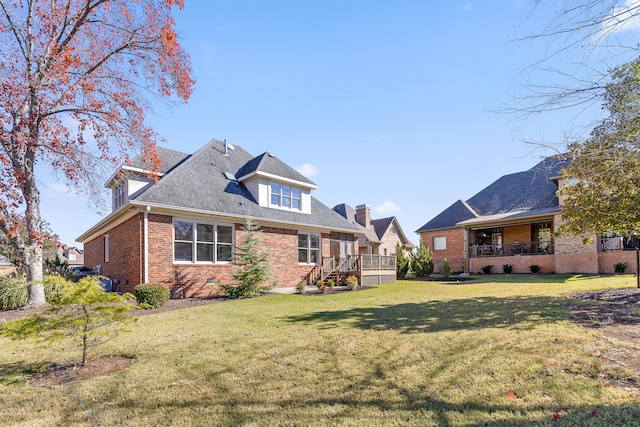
{"points": [[151, 295]]}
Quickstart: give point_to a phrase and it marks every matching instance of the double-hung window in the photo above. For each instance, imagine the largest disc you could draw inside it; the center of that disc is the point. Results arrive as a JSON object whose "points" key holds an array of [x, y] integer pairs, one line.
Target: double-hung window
{"points": [[285, 196], [118, 195], [202, 242], [308, 248]]}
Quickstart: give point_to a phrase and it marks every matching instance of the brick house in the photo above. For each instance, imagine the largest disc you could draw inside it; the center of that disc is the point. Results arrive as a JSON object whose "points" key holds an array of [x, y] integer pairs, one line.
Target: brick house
{"points": [[379, 236], [514, 221], [181, 230]]}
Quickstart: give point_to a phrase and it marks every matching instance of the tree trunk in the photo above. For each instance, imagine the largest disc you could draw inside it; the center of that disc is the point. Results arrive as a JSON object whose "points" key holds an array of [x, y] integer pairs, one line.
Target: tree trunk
{"points": [[33, 268], [33, 247]]}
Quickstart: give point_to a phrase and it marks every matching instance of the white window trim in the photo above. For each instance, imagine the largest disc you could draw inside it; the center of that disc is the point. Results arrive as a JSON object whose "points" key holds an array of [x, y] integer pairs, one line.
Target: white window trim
{"points": [[280, 196], [442, 246], [106, 248], [194, 241], [119, 195], [309, 234]]}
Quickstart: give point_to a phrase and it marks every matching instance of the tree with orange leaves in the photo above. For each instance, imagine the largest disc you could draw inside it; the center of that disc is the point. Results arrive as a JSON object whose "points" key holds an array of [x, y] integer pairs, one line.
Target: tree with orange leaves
{"points": [[75, 79]]}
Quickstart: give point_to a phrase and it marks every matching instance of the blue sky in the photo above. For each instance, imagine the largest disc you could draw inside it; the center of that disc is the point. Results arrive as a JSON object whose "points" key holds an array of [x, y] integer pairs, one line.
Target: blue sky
{"points": [[386, 103]]}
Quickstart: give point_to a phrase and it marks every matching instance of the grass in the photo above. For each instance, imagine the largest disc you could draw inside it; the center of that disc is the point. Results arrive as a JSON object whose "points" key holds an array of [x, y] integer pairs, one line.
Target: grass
{"points": [[495, 351]]}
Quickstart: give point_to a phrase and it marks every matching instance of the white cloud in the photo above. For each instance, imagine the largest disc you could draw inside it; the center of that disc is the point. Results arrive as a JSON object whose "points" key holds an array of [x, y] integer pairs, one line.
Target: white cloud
{"points": [[386, 208], [623, 18], [308, 170]]}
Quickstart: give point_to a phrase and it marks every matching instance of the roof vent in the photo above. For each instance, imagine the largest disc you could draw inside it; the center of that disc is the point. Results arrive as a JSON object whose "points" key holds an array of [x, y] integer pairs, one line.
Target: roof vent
{"points": [[227, 147]]}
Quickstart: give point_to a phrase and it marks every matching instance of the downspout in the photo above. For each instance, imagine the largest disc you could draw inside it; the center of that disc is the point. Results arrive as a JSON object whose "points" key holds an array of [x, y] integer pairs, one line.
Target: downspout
{"points": [[146, 245]]}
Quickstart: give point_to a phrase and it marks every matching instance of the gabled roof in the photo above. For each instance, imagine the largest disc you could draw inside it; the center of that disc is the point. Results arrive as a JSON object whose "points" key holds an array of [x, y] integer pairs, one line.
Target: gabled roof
{"points": [[169, 159], [350, 214], [267, 164], [521, 194], [378, 228], [382, 225], [457, 212], [199, 183]]}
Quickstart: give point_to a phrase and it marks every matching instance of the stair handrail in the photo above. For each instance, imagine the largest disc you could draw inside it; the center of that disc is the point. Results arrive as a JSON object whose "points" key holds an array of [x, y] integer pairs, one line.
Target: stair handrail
{"points": [[328, 266]]}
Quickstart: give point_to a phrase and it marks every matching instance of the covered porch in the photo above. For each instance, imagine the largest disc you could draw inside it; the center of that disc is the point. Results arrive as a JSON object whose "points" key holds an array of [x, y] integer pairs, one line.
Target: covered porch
{"points": [[517, 244]]}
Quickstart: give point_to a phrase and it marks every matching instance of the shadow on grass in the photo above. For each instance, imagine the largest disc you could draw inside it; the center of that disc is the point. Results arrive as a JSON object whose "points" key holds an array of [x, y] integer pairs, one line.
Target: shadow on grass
{"points": [[18, 372], [350, 404], [524, 278], [432, 316]]}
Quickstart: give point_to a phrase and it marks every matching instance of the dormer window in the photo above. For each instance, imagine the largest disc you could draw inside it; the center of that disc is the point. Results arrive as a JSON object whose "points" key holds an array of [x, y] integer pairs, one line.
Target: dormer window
{"points": [[119, 195], [285, 196]]}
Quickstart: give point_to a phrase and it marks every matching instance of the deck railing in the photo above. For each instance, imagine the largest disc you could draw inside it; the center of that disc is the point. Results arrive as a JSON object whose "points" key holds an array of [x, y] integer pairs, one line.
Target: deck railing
{"points": [[350, 264], [524, 248], [378, 262]]}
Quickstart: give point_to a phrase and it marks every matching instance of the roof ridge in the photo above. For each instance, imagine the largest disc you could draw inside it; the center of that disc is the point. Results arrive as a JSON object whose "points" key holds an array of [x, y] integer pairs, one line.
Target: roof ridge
{"points": [[468, 206]]}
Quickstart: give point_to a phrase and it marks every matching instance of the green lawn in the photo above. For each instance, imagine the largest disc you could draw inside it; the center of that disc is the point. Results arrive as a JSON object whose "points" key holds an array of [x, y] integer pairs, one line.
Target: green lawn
{"points": [[495, 351]]}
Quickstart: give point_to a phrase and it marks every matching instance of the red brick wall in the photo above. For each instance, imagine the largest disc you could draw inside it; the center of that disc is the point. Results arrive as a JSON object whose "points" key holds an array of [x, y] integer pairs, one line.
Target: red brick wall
{"points": [[573, 255], [607, 261], [125, 259], [455, 252], [126, 262], [520, 263], [204, 279], [518, 233]]}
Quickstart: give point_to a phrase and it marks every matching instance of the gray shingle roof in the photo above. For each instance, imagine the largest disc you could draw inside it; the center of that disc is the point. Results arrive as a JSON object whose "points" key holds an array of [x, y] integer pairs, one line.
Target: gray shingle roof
{"points": [[350, 214], [381, 225], [529, 193], [199, 183], [270, 164], [168, 159], [459, 211]]}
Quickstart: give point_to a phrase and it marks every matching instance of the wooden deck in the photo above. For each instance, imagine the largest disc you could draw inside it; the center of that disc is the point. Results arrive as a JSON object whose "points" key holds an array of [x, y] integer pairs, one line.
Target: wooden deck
{"points": [[369, 269]]}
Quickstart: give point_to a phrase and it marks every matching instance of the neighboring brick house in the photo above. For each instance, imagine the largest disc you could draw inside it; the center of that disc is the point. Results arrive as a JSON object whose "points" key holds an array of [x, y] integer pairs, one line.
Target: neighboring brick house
{"points": [[182, 230], [514, 221], [379, 236]]}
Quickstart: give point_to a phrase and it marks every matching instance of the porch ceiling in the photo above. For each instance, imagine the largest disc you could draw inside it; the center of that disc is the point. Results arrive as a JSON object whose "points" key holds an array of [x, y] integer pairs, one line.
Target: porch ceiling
{"points": [[510, 218]]}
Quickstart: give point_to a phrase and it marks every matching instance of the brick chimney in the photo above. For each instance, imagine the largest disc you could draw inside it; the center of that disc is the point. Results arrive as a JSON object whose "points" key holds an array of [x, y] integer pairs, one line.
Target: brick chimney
{"points": [[363, 215]]}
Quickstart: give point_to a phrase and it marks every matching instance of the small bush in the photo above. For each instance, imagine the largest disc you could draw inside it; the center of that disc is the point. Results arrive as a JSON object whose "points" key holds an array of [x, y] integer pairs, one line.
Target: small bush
{"points": [[352, 282], [14, 292], [507, 268], [445, 268], [487, 269], [320, 283], [300, 287], [151, 295], [620, 267], [331, 283], [534, 268]]}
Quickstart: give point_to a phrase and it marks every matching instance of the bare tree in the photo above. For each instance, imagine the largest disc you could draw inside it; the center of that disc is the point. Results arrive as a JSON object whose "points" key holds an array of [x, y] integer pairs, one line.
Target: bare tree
{"points": [[581, 42]]}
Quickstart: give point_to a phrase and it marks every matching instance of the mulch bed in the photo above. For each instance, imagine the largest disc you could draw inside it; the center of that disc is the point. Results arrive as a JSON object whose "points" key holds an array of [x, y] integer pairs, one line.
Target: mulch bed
{"points": [[58, 374]]}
